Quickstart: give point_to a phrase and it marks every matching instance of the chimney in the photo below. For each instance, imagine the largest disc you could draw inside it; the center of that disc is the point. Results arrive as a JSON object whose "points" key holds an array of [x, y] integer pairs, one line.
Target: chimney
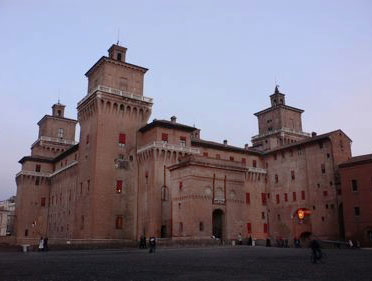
{"points": [[173, 119], [313, 134], [225, 142]]}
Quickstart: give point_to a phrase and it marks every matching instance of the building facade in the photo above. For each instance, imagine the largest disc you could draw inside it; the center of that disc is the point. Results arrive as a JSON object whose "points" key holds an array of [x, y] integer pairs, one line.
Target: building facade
{"points": [[128, 177], [356, 183], [7, 214]]}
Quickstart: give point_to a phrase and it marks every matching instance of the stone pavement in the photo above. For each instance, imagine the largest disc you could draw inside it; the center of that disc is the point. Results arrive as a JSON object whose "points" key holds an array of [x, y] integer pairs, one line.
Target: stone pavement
{"points": [[218, 263]]}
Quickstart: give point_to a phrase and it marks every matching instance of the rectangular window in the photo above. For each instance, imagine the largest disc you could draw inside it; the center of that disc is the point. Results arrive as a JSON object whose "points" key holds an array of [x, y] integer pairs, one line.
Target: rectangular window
{"points": [[292, 175], [356, 211], [265, 228], [277, 199], [249, 227], [218, 156], [231, 158], [119, 186], [60, 133], [205, 154], [88, 185], [247, 198], [37, 181], [325, 193], [164, 137], [244, 160], [254, 163], [285, 197], [294, 196], [263, 198], [322, 167], [263, 215], [37, 168], [183, 141], [87, 139], [42, 203], [354, 185], [180, 185], [276, 179], [122, 139], [303, 194], [119, 222]]}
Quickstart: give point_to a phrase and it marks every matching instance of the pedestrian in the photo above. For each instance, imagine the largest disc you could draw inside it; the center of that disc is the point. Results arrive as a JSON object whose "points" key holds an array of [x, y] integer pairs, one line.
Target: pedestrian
{"points": [[46, 244], [315, 247], [144, 242], [250, 241], [240, 240], [268, 242], [41, 244], [286, 242], [350, 244], [152, 243]]}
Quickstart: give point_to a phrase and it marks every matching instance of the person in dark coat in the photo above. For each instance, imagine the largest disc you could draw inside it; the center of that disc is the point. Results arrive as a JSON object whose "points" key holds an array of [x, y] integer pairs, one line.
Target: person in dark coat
{"points": [[250, 241], [315, 247], [152, 243], [46, 244]]}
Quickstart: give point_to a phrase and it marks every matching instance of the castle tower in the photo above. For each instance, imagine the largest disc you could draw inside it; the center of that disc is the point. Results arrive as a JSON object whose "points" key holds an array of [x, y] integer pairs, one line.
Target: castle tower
{"points": [[110, 115], [279, 124]]}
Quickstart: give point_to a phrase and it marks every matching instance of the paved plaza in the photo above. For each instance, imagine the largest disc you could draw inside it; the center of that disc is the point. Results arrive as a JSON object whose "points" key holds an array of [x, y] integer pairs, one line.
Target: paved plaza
{"points": [[219, 263]]}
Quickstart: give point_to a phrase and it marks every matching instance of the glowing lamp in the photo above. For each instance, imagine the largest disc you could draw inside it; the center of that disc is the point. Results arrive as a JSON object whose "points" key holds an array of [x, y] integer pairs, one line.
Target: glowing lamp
{"points": [[301, 214]]}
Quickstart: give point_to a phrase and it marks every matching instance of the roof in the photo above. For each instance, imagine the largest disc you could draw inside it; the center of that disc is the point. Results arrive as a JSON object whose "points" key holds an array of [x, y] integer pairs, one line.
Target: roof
{"points": [[50, 160], [221, 146], [167, 124], [279, 106], [56, 117], [306, 141], [357, 160], [104, 58]]}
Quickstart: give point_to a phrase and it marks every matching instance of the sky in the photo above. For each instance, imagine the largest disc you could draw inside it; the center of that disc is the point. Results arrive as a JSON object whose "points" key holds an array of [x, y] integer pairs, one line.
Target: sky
{"points": [[212, 63]]}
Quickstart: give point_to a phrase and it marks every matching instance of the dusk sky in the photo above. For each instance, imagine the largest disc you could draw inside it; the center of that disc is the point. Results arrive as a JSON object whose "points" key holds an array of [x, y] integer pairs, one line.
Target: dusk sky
{"points": [[211, 63]]}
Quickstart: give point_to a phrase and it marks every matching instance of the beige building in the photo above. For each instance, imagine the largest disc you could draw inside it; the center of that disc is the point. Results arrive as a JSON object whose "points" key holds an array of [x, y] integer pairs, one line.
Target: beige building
{"points": [[7, 214], [127, 177]]}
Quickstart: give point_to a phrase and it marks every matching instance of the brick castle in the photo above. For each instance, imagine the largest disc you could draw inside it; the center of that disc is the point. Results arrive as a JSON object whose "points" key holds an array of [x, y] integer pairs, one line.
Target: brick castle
{"points": [[127, 177]]}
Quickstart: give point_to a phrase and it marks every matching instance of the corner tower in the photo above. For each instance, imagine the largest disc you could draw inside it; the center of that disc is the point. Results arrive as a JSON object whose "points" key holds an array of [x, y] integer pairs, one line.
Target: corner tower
{"points": [[279, 124], [110, 115]]}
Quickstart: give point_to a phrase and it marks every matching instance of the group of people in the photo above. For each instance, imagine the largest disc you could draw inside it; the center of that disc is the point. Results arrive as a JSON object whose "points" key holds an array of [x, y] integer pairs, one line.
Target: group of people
{"points": [[152, 243], [43, 244]]}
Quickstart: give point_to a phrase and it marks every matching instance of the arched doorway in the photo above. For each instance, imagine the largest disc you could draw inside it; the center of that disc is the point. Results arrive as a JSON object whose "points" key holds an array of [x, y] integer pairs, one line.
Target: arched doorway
{"points": [[217, 223]]}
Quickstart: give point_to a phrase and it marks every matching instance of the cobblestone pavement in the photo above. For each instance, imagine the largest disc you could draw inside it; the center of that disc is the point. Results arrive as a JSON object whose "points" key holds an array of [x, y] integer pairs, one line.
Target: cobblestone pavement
{"points": [[220, 263]]}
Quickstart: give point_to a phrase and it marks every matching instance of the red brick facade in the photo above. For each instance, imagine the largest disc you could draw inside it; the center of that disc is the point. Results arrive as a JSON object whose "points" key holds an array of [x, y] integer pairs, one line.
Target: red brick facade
{"points": [[127, 177]]}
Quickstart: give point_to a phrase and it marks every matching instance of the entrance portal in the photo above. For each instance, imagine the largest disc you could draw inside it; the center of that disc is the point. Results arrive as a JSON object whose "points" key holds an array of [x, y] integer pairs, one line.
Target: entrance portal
{"points": [[217, 223]]}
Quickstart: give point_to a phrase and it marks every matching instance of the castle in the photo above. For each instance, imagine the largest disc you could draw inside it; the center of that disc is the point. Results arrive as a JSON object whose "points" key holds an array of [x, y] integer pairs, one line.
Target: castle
{"points": [[127, 177]]}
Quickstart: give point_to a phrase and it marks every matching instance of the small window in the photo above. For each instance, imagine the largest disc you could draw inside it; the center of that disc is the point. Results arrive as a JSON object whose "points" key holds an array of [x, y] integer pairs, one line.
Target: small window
{"points": [[42, 203], [183, 141], [303, 194], [247, 198], [59, 112], [278, 216], [325, 193], [354, 185], [37, 168], [294, 196], [292, 175], [122, 139], [88, 184], [164, 137], [87, 139], [119, 186], [60, 133], [205, 154], [328, 155], [265, 228], [26, 232], [37, 181], [277, 199], [322, 167], [118, 56], [263, 215], [180, 186], [276, 179], [285, 197], [231, 158], [263, 198], [249, 227], [326, 206], [119, 222], [254, 163], [357, 211], [201, 226]]}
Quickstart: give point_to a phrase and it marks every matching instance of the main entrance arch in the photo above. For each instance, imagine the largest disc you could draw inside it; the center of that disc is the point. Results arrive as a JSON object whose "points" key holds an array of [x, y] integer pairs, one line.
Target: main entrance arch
{"points": [[217, 223]]}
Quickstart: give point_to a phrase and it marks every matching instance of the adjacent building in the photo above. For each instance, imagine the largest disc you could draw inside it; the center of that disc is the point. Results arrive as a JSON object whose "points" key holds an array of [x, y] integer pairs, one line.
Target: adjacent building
{"points": [[356, 183], [7, 214], [128, 177]]}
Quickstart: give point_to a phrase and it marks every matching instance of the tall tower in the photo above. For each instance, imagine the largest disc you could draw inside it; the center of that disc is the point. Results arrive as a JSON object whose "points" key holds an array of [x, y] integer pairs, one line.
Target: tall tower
{"points": [[279, 124], [110, 115]]}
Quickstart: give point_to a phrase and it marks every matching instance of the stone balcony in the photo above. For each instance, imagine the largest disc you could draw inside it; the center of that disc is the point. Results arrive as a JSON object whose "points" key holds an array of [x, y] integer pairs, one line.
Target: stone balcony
{"points": [[116, 92], [55, 140], [166, 146]]}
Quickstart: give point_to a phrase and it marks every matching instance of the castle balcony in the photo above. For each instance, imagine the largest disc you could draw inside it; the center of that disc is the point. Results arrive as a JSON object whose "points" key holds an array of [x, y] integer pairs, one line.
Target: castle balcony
{"points": [[281, 131], [46, 175], [55, 140], [166, 146], [116, 92]]}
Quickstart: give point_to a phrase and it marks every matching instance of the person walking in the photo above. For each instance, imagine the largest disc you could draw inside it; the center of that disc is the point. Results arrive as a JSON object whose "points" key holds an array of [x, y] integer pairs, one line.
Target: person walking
{"points": [[46, 244], [152, 243], [240, 240], [41, 244], [316, 252]]}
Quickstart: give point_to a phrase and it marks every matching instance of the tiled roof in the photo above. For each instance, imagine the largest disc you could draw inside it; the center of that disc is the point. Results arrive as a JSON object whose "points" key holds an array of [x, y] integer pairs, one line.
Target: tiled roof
{"points": [[167, 124], [357, 160], [51, 160]]}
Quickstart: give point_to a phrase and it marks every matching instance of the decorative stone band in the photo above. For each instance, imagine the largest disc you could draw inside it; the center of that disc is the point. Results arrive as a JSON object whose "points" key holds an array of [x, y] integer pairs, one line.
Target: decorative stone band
{"points": [[46, 175], [283, 130], [55, 140], [166, 146], [116, 92], [257, 170]]}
